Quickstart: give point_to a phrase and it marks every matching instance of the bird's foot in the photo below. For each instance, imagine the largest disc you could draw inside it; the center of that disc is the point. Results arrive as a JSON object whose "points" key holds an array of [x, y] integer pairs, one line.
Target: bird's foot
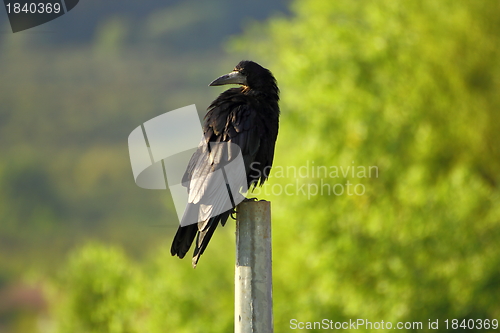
{"points": [[235, 211]]}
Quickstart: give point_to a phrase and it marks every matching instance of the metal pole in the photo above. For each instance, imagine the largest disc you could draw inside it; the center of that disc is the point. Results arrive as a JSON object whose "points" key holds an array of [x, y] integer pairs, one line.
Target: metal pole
{"points": [[253, 276]]}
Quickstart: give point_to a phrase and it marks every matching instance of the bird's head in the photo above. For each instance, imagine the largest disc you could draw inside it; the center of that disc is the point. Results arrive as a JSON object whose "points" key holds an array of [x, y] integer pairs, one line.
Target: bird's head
{"points": [[250, 74]]}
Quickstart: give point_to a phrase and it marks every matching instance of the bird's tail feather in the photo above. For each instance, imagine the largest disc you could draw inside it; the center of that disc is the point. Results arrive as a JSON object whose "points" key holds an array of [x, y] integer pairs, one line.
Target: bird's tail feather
{"points": [[186, 235], [205, 235], [183, 240]]}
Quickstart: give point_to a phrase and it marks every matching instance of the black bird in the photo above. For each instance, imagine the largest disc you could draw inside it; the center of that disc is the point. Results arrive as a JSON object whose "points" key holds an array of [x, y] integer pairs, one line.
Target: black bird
{"points": [[247, 116]]}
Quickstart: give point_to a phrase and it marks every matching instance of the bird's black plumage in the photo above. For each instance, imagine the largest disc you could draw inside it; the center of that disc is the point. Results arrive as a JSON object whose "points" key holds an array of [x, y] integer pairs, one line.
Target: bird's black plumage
{"points": [[246, 116]]}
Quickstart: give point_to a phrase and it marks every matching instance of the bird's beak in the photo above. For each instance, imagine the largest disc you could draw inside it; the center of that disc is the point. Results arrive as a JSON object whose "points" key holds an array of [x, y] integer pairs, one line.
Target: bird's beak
{"points": [[231, 78]]}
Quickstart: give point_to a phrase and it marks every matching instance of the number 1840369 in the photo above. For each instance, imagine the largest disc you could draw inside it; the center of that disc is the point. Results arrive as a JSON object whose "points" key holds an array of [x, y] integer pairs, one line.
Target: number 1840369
{"points": [[33, 8]]}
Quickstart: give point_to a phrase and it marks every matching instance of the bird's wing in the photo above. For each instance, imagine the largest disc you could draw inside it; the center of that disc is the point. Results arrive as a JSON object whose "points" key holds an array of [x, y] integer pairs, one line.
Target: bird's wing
{"points": [[207, 191], [206, 183]]}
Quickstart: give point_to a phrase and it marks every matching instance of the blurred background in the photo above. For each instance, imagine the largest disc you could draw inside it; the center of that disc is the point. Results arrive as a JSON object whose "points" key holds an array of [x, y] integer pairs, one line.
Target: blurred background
{"points": [[411, 89]]}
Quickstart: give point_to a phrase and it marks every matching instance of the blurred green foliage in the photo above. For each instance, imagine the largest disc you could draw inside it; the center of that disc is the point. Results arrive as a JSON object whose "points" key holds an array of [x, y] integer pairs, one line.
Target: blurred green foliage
{"points": [[411, 88], [103, 291], [100, 290]]}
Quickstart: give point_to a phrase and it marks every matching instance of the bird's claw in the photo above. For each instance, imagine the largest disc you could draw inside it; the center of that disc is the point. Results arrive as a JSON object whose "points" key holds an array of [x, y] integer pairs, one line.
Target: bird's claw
{"points": [[235, 211]]}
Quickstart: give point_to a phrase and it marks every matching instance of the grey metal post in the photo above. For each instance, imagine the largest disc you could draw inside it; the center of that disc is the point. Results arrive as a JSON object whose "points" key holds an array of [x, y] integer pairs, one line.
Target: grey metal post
{"points": [[253, 311]]}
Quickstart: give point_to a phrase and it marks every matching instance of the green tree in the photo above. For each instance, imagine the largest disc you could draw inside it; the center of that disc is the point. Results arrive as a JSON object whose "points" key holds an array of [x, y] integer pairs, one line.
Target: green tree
{"points": [[411, 88], [98, 291]]}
